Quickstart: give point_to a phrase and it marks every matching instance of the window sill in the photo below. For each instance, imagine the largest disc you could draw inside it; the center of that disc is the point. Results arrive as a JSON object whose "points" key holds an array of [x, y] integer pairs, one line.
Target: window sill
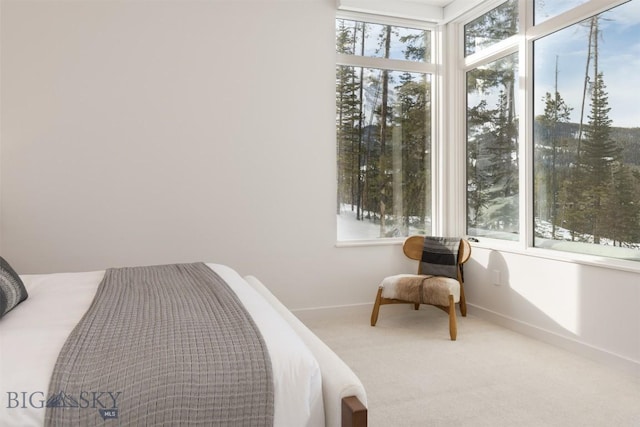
{"points": [[376, 242], [516, 248], [559, 256]]}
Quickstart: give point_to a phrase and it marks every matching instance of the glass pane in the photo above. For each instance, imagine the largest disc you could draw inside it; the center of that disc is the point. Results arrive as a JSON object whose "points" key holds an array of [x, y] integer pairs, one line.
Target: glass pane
{"points": [[382, 41], [587, 136], [494, 26], [384, 153], [545, 9], [492, 150]]}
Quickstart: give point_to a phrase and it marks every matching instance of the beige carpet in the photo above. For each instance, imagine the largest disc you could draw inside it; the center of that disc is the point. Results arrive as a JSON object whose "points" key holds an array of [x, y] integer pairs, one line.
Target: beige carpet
{"points": [[491, 376]]}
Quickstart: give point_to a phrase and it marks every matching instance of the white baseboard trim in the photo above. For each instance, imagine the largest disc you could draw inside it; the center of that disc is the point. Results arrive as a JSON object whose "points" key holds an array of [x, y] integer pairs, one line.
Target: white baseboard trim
{"points": [[567, 343], [318, 313]]}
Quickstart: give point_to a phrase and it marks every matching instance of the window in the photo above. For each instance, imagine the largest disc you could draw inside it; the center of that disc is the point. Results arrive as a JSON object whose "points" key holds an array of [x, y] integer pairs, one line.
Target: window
{"points": [[587, 136], [383, 124], [580, 136], [492, 130], [492, 27]]}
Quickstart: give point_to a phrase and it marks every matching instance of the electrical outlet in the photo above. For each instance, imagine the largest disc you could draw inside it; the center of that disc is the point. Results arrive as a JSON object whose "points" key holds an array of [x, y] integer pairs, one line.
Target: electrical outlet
{"points": [[497, 279]]}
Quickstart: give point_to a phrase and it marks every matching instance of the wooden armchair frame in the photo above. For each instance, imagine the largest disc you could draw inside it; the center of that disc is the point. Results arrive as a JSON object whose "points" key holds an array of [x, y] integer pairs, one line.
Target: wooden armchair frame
{"points": [[412, 248]]}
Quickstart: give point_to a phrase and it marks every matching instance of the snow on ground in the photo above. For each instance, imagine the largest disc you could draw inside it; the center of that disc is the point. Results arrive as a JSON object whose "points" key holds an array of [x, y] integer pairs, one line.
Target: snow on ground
{"points": [[350, 229]]}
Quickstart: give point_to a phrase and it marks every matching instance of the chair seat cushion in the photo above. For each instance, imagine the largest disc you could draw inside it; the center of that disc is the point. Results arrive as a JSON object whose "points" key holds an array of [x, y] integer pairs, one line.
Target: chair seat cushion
{"points": [[421, 289]]}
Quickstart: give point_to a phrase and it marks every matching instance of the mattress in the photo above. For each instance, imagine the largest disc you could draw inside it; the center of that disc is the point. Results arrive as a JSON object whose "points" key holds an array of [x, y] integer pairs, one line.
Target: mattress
{"points": [[32, 335]]}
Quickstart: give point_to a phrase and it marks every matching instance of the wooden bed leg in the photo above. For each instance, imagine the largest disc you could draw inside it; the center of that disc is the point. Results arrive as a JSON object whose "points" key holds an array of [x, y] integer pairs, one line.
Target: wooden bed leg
{"points": [[376, 308], [354, 413]]}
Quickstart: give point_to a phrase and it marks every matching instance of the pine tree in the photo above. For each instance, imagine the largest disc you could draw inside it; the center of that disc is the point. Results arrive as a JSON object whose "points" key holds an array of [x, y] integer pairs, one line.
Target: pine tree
{"points": [[385, 160], [478, 177], [576, 215], [599, 152], [504, 167], [591, 178], [621, 224], [348, 120], [492, 166], [413, 116], [556, 112], [498, 24]]}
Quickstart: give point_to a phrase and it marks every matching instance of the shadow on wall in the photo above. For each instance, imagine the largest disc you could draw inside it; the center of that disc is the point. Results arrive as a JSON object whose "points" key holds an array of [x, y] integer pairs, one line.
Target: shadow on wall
{"points": [[523, 295], [558, 299]]}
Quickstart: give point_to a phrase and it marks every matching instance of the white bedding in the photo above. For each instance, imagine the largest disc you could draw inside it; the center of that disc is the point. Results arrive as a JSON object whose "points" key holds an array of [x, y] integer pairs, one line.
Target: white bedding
{"points": [[32, 334]]}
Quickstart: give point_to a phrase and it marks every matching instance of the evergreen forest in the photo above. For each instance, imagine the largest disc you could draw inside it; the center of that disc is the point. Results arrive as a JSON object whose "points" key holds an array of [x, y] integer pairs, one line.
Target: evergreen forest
{"points": [[586, 171], [383, 122]]}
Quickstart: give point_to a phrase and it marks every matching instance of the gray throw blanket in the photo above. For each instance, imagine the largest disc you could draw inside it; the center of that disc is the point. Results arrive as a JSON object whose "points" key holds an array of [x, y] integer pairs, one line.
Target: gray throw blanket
{"points": [[163, 345], [440, 256]]}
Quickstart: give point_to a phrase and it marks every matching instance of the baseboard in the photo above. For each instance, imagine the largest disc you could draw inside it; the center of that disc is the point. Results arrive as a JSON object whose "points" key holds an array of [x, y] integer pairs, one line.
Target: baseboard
{"points": [[319, 313], [567, 343]]}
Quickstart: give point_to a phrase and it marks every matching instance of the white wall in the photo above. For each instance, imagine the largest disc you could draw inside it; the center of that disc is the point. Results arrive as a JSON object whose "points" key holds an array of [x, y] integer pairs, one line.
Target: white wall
{"points": [[592, 310], [147, 132]]}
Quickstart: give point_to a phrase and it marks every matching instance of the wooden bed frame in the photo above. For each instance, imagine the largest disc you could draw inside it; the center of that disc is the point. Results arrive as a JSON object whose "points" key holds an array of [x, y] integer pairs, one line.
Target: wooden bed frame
{"points": [[354, 413]]}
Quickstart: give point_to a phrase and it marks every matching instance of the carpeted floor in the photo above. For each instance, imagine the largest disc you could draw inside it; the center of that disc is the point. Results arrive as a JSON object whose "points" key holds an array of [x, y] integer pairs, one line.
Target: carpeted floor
{"points": [[491, 376]]}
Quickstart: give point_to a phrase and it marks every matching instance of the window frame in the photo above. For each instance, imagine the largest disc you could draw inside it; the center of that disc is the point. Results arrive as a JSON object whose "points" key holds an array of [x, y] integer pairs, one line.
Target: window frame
{"points": [[522, 43], [501, 49], [431, 68]]}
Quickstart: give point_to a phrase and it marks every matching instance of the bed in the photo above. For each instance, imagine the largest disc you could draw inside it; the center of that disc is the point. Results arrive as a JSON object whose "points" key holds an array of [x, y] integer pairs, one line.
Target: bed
{"points": [[311, 385]]}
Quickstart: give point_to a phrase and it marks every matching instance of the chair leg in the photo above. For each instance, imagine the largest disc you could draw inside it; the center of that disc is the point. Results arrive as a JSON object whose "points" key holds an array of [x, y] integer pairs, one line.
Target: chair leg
{"points": [[453, 326], [463, 302], [376, 308], [416, 306]]}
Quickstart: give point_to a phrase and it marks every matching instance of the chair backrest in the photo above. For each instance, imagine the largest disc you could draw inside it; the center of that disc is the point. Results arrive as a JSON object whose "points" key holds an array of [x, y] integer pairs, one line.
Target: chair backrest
{"points": [[413, 245]]}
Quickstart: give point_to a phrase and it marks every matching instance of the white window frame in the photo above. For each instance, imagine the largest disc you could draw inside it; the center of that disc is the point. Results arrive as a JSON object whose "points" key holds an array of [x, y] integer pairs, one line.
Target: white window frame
{"points": [[435, 69], [455, 93]]}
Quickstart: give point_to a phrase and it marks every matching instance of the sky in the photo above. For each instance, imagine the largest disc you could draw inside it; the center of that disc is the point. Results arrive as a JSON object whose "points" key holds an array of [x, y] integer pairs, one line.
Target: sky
{"points": [[545, 9], [619, 61]]}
